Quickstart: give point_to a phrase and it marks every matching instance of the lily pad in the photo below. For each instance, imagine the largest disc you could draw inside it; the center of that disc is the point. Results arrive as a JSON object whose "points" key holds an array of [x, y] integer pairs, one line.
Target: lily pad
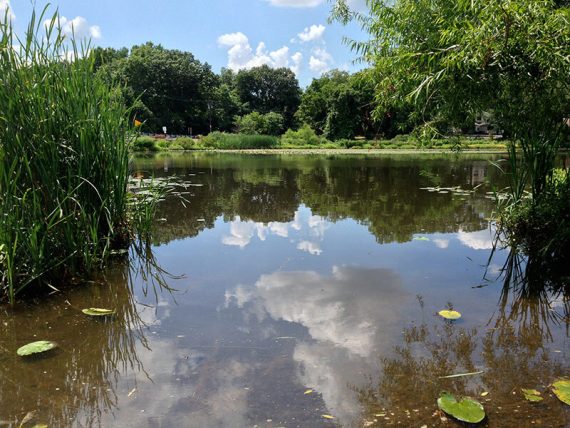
{"points": [[531, 395], [36, 348], [449, 315], [561, 389], [466, 410], [98, 312]]}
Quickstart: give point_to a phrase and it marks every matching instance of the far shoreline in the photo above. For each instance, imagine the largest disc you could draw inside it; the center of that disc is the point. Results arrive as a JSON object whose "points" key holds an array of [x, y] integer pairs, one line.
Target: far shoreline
{"points": [[324, 151]]}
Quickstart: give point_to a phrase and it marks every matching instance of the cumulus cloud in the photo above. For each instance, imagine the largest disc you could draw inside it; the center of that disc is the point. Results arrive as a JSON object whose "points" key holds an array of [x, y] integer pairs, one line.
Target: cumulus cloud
{"points": [[482, 240], [242, 56], [296, 3], [312, 33], [441, 243], [297, 59], [77, 26], [310, 247], [320, 61], [4, 6]]}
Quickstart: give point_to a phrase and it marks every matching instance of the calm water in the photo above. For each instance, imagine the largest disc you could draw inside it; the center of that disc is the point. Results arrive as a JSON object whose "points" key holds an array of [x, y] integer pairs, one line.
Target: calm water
{"points": [[285, 288]]}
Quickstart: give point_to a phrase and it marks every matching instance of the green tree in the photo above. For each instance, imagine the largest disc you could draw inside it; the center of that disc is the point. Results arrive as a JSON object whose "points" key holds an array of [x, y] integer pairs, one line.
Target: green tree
{"points": [[340, 105], [456, 59], [264, 89], [172, 88], [264, 124]]}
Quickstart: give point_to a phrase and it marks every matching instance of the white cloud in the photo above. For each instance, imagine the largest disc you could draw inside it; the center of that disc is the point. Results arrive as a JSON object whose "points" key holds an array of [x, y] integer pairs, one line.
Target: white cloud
{"points": [[441, 243], [296, 3], [242, 56], [297, 58], [77, 26], [312, 33], [482, 240], [310, 247], [320, 60], [4, 6]]}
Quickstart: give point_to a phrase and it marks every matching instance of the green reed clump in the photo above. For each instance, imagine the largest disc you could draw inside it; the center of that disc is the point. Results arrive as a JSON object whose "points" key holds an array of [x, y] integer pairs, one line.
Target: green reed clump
{"points": [[63, 160], [225, 141]]}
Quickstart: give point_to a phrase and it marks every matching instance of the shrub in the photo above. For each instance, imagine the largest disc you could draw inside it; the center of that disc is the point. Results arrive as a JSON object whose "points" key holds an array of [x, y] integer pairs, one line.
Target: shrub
{"points": [[304, 136], [224, 141], [144, 144]]}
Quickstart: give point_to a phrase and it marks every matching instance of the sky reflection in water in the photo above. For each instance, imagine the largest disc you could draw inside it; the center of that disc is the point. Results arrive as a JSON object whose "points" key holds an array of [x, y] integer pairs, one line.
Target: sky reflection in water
{"points": [[315, 273]]}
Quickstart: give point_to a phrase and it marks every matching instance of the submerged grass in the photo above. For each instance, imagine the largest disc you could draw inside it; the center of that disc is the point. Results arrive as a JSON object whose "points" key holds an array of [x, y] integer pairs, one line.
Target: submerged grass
{"points": [[64, 163]]}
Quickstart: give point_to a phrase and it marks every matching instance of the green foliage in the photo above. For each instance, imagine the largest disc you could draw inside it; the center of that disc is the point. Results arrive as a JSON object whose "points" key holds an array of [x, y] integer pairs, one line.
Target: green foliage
{"points": [[264, 89], [540, 224], [454, 60], [339, 105], [224, 141], [63, 160], [144, 144], [168, 88], [302, 137], [260, 124]]}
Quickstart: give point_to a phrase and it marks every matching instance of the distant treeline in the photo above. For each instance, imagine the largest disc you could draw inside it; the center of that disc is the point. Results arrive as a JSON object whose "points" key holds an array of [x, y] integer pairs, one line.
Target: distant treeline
{"points": [[173, 89]]}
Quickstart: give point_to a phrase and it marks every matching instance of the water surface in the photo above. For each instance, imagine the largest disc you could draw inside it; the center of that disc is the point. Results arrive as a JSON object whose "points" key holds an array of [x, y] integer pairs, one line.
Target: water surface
{"points": [[287, 287]]}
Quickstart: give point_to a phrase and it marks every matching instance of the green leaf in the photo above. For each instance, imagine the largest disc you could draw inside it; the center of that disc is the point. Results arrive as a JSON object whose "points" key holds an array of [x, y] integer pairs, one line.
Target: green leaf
{"points": [[98, 312], [531, 395], [421, 238], [36, 348], [449, 315], [466, 410], [561, 389]]}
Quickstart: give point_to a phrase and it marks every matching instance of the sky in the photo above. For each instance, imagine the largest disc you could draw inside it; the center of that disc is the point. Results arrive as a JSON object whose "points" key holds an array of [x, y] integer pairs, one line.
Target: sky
{"points": [[237, 34]]}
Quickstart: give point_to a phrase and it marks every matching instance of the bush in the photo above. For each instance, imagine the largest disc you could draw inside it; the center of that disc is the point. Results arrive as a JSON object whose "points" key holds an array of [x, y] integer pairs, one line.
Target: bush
{"points": [[225, 141], [144, 144], [260, 124], [304, 136], [541, 226]]}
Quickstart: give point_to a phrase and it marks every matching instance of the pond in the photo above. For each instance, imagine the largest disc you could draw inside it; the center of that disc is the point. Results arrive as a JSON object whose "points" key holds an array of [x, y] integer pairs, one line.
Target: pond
{"points": [[296, 291]]}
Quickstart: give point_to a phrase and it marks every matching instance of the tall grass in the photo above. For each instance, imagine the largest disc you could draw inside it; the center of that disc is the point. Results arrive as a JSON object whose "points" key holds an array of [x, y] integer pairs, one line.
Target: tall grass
{"points": [[63, 159], [224, 141]]}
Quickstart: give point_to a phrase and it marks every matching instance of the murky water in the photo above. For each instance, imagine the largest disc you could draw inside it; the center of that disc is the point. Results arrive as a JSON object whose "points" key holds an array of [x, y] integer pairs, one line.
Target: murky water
{"points": [[310, 287]]}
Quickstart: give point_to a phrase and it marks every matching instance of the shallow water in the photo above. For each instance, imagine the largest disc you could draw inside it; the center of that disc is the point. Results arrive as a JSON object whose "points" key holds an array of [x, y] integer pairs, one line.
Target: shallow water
{"points": [[284, 288]]}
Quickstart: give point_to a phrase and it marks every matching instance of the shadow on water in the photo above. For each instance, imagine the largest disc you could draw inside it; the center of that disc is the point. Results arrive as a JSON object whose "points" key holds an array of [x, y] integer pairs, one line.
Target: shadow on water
{"points": [[75, 384]]}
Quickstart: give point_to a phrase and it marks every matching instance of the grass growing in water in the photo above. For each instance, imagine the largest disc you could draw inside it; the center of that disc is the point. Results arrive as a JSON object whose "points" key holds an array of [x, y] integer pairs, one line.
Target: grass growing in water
{"points": [[64, 162]]}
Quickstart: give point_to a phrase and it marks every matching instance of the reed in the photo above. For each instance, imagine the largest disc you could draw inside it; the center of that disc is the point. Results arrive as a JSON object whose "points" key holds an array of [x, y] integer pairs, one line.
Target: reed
{"points": [[64, 163]]}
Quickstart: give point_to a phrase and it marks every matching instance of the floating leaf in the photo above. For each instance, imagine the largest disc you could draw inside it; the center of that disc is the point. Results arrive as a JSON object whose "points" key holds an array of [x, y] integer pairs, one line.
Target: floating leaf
{"points": [[327, 416], [98, 312], [561, 389], [531, 394], [449, 315], [484, 393], [36, 348], [466, 410], [421, 238], [308, 391]]}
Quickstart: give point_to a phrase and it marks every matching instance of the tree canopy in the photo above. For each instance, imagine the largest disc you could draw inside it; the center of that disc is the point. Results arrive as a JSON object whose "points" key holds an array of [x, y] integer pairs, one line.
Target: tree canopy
{"points": [[264, 89], [456, 59]]}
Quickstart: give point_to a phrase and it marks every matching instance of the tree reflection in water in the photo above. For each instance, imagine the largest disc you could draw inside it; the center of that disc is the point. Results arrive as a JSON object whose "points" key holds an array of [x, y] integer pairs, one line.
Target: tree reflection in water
{"points": [[75, 385], [514, 351]]}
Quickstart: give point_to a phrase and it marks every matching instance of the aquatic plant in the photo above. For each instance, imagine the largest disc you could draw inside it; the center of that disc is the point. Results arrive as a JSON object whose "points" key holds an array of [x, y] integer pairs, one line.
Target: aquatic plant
{"points": [[64, 160]]}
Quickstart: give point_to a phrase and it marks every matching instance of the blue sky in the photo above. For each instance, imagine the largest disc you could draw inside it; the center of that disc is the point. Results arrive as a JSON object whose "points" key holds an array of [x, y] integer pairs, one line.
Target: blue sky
{"points": [[225, 33]]}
